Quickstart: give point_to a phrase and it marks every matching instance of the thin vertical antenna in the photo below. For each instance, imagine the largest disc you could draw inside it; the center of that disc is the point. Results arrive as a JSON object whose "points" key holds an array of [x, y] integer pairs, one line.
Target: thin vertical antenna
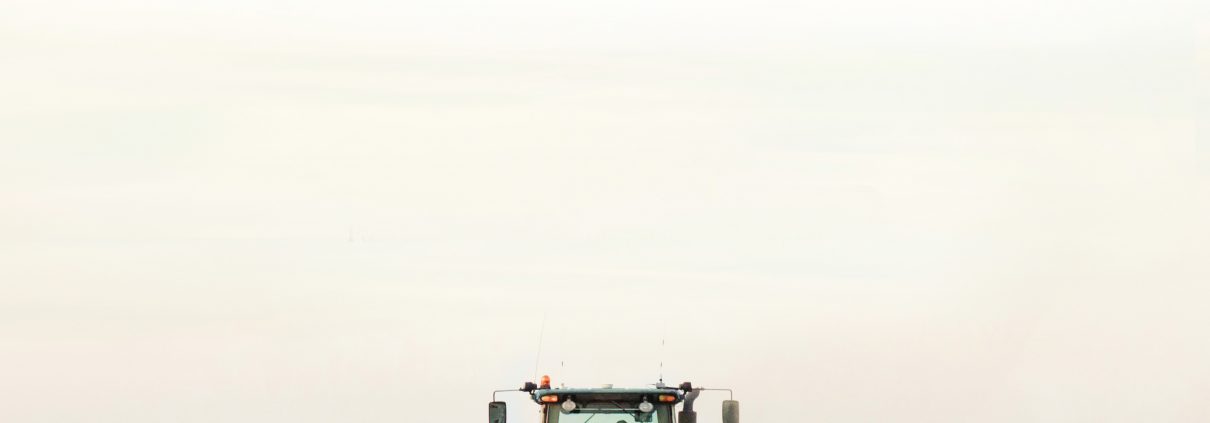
{"points": [[663, 337], [541, 334], [562, 356]]}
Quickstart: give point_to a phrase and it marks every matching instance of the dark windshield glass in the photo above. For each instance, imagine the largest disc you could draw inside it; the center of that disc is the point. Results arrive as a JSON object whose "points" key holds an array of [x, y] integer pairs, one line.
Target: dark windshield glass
{"points": [[607, 413]]}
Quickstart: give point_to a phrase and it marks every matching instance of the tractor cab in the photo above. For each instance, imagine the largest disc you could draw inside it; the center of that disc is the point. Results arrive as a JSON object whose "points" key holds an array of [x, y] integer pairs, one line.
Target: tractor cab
{"points": [[607, 404]]}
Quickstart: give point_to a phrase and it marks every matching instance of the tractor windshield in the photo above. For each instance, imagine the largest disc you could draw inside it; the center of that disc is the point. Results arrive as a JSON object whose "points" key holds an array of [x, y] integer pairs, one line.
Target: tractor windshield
{"points": [[607, 412]]}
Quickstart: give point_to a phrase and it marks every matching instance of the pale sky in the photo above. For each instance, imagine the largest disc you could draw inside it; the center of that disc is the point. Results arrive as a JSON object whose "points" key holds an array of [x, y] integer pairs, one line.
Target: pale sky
{"points": [[361, 211]]}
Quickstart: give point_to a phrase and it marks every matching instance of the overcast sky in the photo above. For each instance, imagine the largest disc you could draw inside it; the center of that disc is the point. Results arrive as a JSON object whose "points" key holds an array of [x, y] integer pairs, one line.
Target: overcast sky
{"points": [[367, 211]]}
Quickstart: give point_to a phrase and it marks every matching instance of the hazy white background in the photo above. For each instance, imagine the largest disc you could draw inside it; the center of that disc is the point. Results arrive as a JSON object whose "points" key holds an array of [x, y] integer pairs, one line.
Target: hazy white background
{"points": [[359, 211]]}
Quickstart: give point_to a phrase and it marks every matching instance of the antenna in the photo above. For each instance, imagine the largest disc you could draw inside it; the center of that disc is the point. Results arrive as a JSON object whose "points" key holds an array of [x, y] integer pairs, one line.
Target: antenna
{"points": [[541, 334], [663, 337], [562, 354]]}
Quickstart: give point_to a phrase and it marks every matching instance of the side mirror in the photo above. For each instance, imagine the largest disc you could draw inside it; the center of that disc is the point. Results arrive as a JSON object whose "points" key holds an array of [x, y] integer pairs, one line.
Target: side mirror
{"points": [[497, 412], [730, 411]]}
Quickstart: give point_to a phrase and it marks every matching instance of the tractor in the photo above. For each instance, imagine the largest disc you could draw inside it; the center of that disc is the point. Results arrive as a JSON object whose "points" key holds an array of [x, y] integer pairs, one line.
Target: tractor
{"points": [[607, 404]]}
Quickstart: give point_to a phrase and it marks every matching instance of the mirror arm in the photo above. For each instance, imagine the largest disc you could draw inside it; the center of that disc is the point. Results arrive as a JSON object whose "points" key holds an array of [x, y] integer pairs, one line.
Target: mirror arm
{"points": [[529, 387], [730, 394]]}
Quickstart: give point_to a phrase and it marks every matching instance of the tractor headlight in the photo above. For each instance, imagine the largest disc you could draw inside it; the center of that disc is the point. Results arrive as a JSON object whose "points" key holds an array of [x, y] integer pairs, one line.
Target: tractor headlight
{"points": [[646, 407], [568, 405]]}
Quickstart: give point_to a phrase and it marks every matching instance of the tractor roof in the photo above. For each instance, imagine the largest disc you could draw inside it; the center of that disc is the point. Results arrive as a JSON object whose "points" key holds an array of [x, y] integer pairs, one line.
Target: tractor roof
{"points": [[609, 393]]}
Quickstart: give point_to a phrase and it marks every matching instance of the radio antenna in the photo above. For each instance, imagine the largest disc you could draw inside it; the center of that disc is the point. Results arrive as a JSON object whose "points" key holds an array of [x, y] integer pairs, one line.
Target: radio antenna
{"points": [[663, 337], [541, 334], [562, 354]]}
